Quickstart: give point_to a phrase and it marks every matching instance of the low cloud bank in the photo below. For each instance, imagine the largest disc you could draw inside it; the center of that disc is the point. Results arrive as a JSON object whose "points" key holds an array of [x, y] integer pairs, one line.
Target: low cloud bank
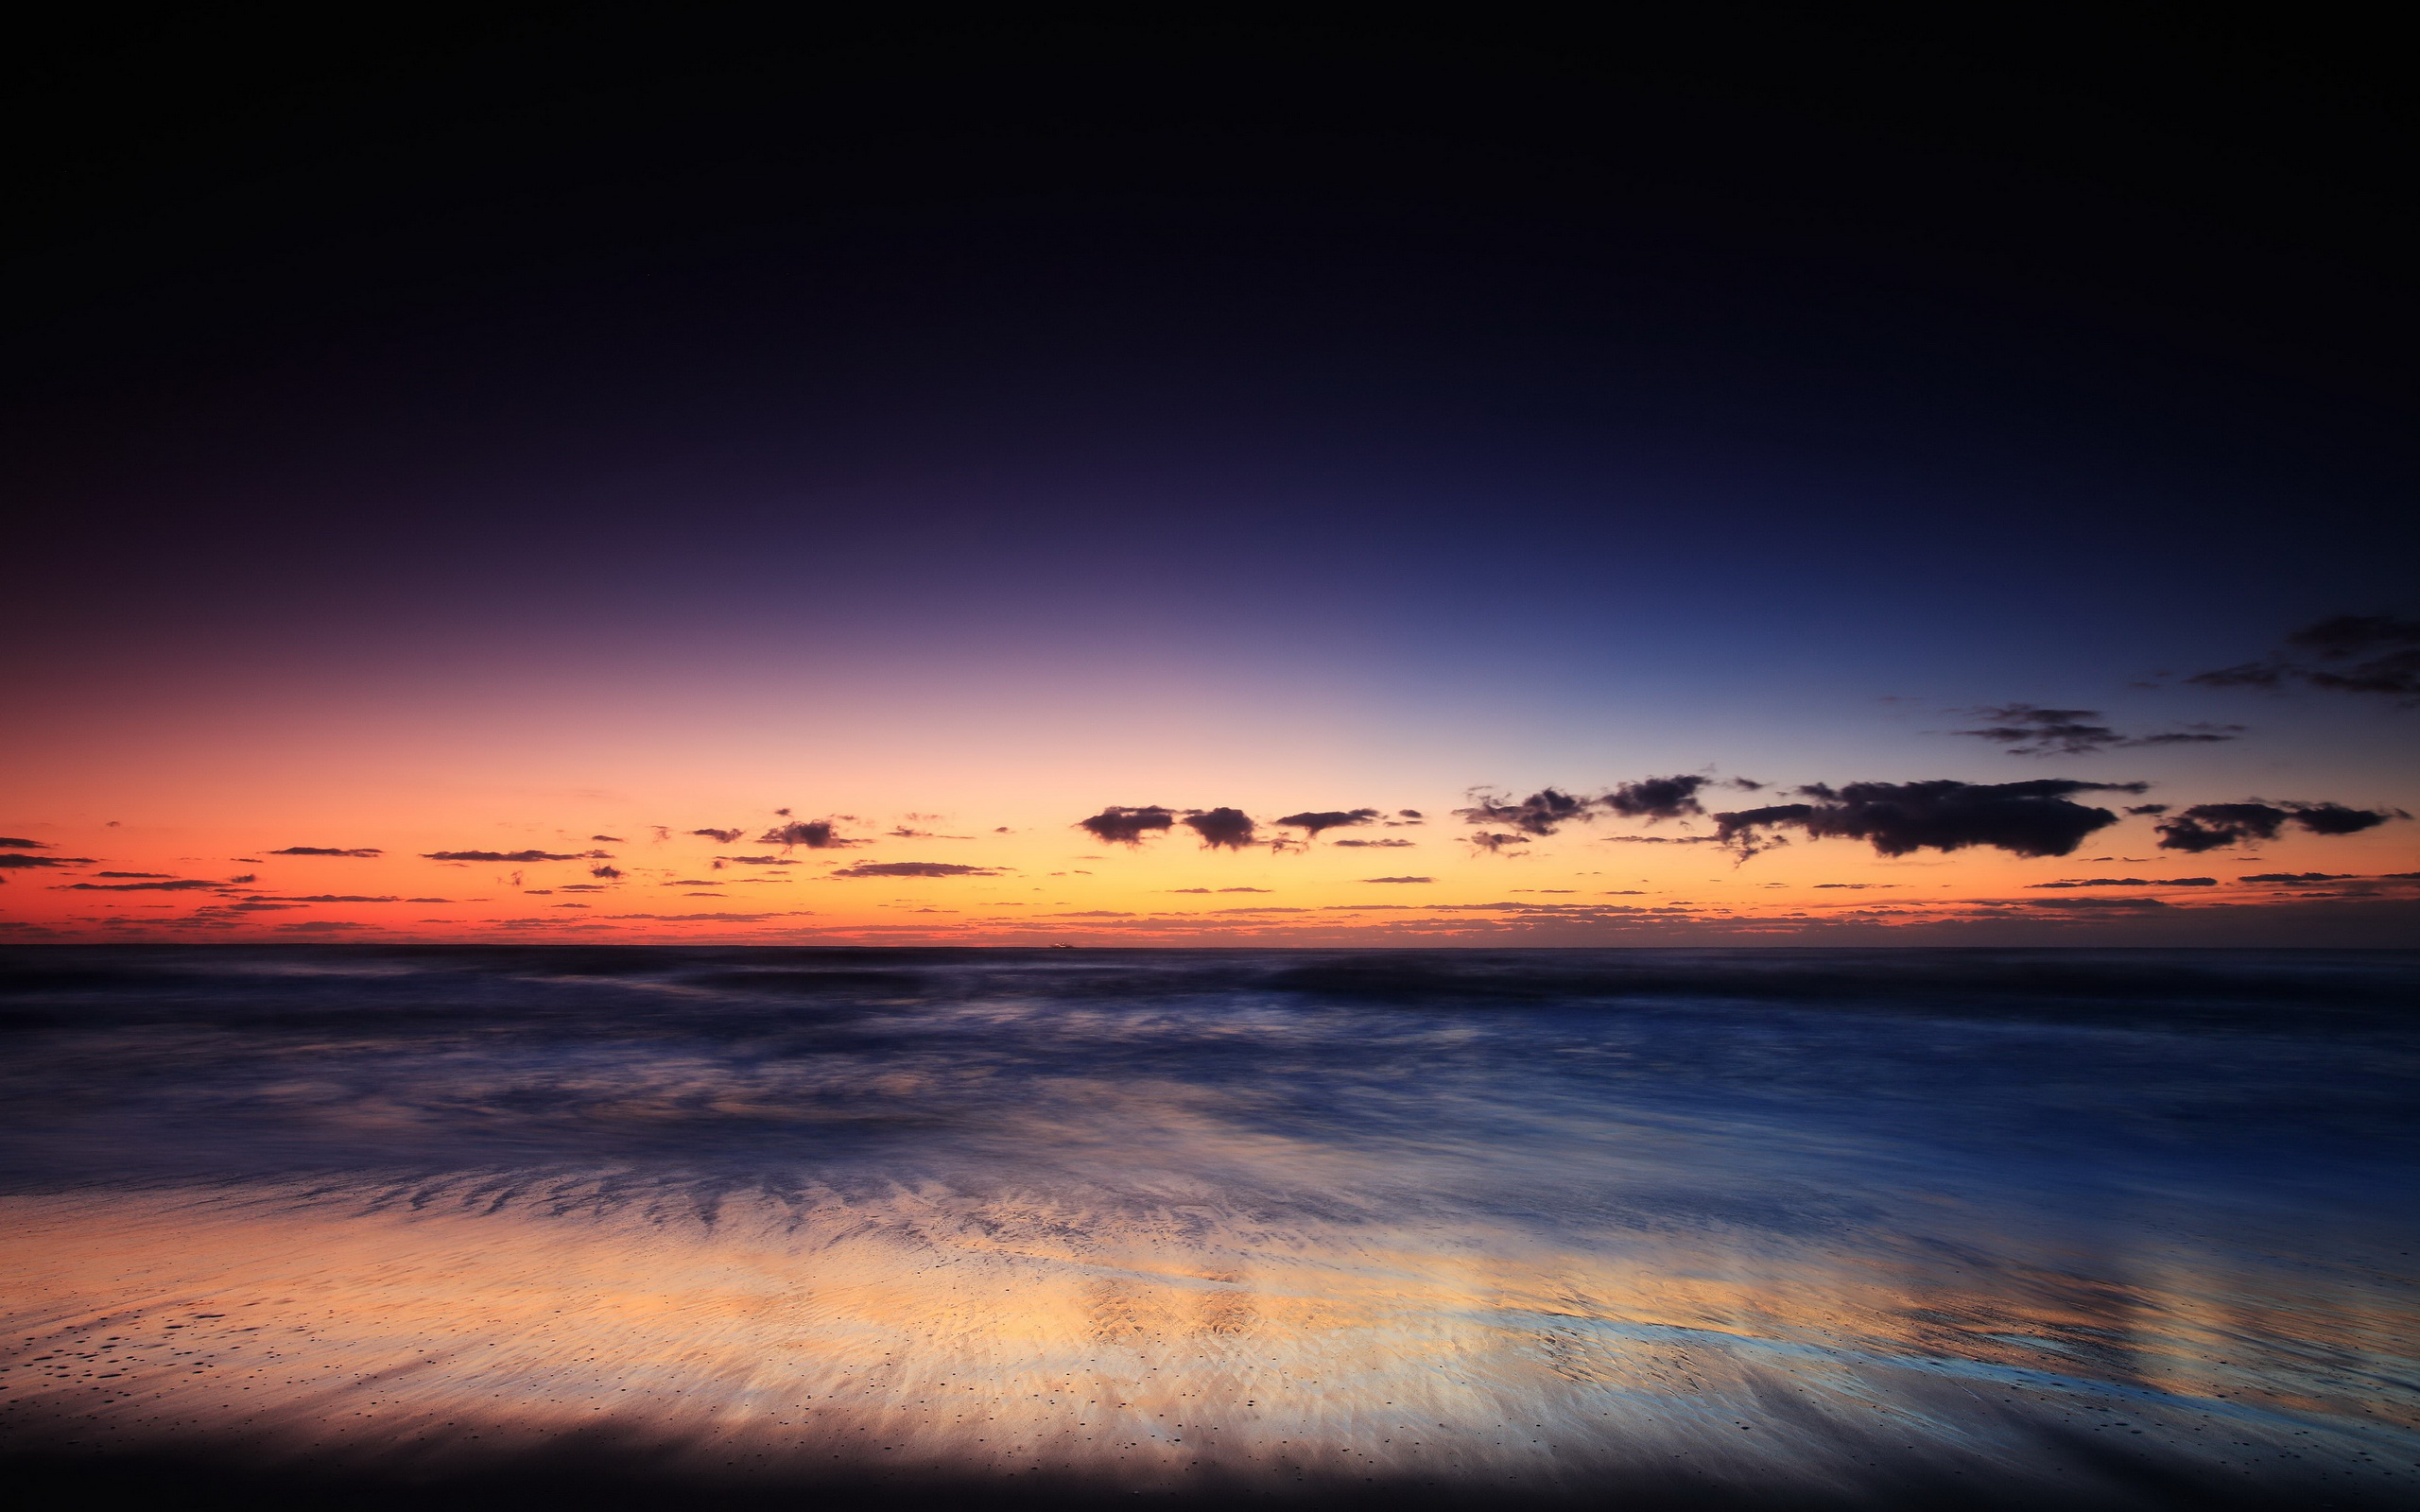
{"points": [[514, 856], [2035, 819], [2214, 826], [914, 868]]}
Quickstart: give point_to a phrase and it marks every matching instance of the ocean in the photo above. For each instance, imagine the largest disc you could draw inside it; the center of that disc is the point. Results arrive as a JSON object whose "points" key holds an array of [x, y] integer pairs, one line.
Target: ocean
{"points": [[367, 1226]]}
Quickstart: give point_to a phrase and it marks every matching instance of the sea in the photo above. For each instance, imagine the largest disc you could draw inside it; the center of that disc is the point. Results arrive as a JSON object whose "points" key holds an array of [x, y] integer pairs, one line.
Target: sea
{"points": [[372, 1226]]}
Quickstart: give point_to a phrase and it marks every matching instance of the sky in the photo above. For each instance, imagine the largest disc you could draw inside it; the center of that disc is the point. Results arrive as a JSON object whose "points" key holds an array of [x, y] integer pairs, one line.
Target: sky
{"points": [[456, 476]]}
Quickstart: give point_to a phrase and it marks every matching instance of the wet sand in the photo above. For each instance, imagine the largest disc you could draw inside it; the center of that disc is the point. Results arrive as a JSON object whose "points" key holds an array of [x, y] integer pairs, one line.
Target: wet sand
{"points": [[1653, 1286]]}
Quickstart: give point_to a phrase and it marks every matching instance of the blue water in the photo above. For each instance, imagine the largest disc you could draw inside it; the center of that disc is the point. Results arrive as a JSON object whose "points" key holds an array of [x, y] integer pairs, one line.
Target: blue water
{"points": [[1838, 1228]]}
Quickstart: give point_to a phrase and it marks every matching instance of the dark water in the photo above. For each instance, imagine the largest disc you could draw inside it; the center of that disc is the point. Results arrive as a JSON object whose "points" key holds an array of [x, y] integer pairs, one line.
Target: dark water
{"points": [[1767, 1228]]}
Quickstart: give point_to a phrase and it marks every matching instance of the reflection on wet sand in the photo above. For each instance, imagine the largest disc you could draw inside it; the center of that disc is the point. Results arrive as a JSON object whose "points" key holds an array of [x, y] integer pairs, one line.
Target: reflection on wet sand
{"points": [[435, 1332]]}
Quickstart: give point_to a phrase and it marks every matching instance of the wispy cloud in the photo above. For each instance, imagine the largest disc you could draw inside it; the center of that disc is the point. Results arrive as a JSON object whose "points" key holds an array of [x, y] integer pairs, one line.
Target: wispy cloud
{"points": [[2029, 729], [2128, 882], [514, 857], [914, 868], [701, 919], [184, 885], [2372, 654]]}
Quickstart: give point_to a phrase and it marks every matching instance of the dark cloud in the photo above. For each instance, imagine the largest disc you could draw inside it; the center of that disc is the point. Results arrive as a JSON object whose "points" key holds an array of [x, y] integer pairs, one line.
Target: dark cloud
{"points": [[1660, 839], [511, 855], [1860, 887], [1410, 814], [816, 835], [2297, 876], [2245, 675], [2384, 653], [1125, 824], [9, 844], [713, 918], [2214, 826], [1312, 821], [2146, 808], [1398, 879], [1492, 841], [328, 851], [353, 898], [2097, 903], [2346, 636], [428, 900], [2028, 729], [2129, 882], [719, 836], [2366, 653], [609, 840], [186, 886], [2335, 818], [133, 873], [1230, 827], [1243, 889], [752, 861], [1655, 798], [608, 873], [2211, 826], [1541, 813], [1899, 819], [915, 869], [2193, 734], [1378, 845]]}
